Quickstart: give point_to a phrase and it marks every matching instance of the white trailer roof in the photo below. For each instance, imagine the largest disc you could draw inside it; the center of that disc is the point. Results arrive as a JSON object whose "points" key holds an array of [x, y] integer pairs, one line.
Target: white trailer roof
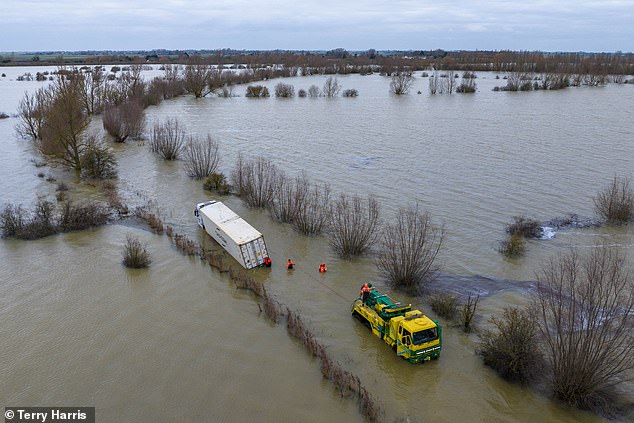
{"points": [[232, 224]]}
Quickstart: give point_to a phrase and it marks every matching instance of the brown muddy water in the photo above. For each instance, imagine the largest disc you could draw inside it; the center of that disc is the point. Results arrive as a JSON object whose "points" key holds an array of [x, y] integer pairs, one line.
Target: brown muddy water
{"points": [[177, 342]]}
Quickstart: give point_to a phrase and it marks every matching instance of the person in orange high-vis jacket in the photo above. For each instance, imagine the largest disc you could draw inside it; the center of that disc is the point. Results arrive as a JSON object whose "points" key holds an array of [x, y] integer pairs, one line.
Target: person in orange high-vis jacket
{"points": [[365, 293], [290, 264], [322, 267], [267, 262]]}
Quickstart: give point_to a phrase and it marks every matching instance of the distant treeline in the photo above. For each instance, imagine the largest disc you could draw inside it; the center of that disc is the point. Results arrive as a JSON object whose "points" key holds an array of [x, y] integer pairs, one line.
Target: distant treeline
{"points": [[342, 61]]}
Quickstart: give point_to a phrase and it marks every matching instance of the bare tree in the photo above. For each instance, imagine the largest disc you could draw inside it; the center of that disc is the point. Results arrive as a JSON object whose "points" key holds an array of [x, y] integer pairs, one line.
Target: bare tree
{"points": [[616, 202], [32, 112], [585, 307], [197, 77], [434, 84], [94, 89], [201, 158], [135, 254], [313, 91], [62, 135], [408, 249], [226, 91], [167, 139], [353, 225], [401, 82], [288, 194], [351, 92], [256, 181], [125, 120], [331, 87], [314, 211], [468, 84], [512, 349], [172, 82], [257, 91], [449, 82], [284, 90]]}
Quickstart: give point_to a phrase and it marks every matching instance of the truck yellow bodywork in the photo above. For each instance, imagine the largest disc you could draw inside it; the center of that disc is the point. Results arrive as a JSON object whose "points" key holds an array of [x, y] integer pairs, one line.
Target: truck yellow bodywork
{"points": [[414, 336]]}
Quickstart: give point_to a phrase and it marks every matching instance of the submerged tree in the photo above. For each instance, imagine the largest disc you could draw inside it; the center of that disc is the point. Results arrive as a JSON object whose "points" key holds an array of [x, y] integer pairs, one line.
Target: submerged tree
{"points": [[353, 225], [125, 120], [201, 158], [66, 120], [401, 82], [331, 87], [408, 248], [32, 112], [615, 203], [198, 75], [585, 307]]}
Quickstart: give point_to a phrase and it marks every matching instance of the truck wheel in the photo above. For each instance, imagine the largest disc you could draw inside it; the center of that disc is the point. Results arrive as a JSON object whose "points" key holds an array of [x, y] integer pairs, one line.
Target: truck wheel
{"points": [[362, 320]]}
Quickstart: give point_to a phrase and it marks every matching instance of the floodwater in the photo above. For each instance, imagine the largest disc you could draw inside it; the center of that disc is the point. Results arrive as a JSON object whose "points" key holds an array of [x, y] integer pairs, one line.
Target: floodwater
{"points": [[177, 342]]}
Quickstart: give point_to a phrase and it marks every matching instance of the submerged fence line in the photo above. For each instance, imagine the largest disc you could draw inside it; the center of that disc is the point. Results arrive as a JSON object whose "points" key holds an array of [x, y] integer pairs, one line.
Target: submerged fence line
{"points": [[348, 384]]}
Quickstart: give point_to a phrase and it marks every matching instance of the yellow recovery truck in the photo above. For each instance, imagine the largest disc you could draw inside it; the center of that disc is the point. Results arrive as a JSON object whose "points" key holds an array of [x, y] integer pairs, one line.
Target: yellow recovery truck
{"points": [[411, 334]]}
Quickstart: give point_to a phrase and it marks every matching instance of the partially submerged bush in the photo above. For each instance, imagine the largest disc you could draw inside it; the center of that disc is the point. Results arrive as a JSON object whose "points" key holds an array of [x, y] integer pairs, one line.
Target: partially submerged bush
{"points": [[353, 225], [42, 221], [311, 217], [524, 226], [256, 181], [284, 90], [401, 82], [201, 158], [124, 120], [585, 306], [216, 182], [351, 92], [512, 349], [444, 304], [616, 202], [75, 217], [314, 91], [12, 221], [331, 87], [257, 91], [408, 249], [167, 139], [98, 162], [467, 311], [135, 254], [512, 246]]}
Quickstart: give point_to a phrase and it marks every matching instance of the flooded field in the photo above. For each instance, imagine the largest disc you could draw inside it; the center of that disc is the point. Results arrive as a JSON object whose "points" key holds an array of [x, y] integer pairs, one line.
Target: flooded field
{"points": [[178, 342]]}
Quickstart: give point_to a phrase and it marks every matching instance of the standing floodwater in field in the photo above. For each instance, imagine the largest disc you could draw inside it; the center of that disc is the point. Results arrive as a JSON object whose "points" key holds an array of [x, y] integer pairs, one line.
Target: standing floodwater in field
{"points": [[471, 161]]}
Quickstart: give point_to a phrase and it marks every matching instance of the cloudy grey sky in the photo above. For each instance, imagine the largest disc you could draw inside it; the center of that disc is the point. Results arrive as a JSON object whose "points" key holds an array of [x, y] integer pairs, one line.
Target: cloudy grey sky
{"points": [[556, 25]]}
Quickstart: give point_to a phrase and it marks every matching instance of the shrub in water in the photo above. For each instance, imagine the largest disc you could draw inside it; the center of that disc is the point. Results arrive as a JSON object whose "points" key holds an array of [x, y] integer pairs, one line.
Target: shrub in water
{"points": [[616, 202], [524, 226], [444, 304], [350, 93], [512, 349], [512, 246], [135, 254]]}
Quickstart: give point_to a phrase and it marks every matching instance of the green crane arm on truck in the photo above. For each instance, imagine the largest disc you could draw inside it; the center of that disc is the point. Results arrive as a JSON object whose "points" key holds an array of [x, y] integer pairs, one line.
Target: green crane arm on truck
{"points": [[414, 336]]}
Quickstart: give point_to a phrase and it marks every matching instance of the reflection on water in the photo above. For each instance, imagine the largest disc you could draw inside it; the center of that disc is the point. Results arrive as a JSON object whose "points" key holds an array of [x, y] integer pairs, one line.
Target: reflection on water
{"points": [[178, 342]]}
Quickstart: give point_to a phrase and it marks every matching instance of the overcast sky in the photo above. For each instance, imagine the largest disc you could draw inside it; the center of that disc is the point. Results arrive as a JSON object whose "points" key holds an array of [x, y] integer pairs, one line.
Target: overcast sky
{"points": [[557, 25]]}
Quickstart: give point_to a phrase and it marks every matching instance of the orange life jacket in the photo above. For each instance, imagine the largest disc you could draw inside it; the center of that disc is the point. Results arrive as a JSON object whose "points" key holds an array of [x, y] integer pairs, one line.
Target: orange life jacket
{"points": [[290, 264], [322, 268]]}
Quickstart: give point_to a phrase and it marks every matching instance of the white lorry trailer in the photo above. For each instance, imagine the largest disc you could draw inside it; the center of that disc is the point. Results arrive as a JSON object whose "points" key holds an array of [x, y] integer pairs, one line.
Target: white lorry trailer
{"points": [[233, 233]]}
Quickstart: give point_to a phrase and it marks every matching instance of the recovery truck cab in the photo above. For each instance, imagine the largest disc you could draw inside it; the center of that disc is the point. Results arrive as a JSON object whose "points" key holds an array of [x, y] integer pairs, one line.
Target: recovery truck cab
{"points": [[411, 334]]}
